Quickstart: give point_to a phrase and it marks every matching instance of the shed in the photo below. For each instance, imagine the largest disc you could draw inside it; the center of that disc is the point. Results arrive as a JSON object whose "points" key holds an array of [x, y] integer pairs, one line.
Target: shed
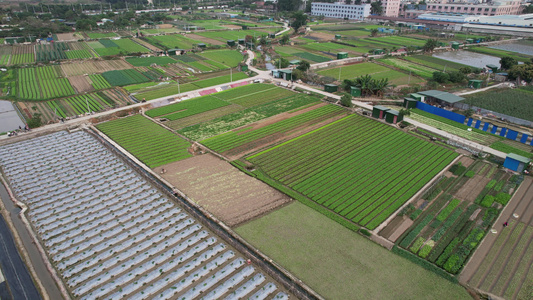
{"points": [[231, 43], [455, 45], [342, 55], [494, 68], [393, 116], [355, 91], [409, 102], [417, 97], [294, 62], [501, 76], [244, 27], [276, 74], [440, 97], [470, 41], [337, 36], [241, 41], [378, 111], [286, 74], [272, 35], [331, 88], [201, 45], [516, 162], [174, 51], [475, 83]]}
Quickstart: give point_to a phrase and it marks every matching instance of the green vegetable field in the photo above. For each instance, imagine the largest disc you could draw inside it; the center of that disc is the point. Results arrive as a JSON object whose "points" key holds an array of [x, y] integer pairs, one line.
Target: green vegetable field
{"points": [[147, 141], [513, 102], [124, 77], [42, 83], [355, 167], [147, 61]]}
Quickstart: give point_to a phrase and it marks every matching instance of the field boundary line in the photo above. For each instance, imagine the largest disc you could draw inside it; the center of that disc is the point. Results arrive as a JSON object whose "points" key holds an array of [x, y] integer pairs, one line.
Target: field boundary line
{"points": [[20, 246], [423, 189]]}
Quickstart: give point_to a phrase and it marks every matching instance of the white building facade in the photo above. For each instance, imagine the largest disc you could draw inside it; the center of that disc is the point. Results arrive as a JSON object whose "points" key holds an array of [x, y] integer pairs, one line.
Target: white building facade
{"points": [[340, 10]]}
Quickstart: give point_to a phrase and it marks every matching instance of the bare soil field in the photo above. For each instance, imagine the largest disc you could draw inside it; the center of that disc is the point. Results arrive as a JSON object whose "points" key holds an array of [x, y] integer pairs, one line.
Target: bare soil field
{"points": [[93, 67], [472, 188], [224, 191], [69, 36], [146, 45], [81, 84], [502, 265], [322, 35], [232, 26], [205, 39]]}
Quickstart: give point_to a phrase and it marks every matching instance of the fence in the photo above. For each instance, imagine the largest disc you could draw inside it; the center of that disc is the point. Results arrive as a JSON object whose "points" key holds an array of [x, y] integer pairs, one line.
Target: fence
{"points": [[483, 111], [441, 112]]}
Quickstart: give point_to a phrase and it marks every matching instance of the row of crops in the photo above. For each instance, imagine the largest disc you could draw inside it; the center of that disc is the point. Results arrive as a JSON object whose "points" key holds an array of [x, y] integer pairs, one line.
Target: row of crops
{"points": [[365, 173], [187, 108], [462, 209], [42, 83], [124, 77], [99, 82], [235, 139], [153, 145]]}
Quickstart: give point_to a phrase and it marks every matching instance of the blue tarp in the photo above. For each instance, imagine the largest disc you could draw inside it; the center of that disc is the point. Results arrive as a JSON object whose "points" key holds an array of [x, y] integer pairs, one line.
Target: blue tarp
{"points": [[441, 112], [478, 122], [494, 129], [524, 138], [511, 134], [470, 120], [486, 126], [503, 132]]}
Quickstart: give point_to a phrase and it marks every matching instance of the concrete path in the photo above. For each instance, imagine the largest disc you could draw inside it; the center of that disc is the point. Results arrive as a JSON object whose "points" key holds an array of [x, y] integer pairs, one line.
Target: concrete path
{"points": [[503, 84]]}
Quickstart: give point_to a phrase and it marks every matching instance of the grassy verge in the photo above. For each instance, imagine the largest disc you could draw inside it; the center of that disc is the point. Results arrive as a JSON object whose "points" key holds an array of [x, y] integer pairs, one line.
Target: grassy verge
{"points": [[339, 263]]}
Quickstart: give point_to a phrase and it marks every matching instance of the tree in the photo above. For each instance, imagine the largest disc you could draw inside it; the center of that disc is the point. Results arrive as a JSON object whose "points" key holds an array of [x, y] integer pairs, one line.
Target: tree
{"points": [[430, 45], [35, 121], [528, 9], [297, 74], [374, 32], [289, 5], [521, 72], [507, 62], [303, 66], [456, 76], [376, 8], [440, 77], [465, 70], [285, 39], [469, 112], [404, 112], [346, 100], [299, 19], [283, 64]]}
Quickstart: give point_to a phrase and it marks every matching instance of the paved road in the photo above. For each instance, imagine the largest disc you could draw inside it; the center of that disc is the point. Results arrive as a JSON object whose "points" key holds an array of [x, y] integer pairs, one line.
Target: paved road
{"points": [[13, 268], [36, 260]]}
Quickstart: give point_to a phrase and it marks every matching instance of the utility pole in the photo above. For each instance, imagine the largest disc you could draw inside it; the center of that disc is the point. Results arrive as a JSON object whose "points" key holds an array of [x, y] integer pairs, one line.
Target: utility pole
{"points": [[230, 75], [340, 69], [178, 86]]}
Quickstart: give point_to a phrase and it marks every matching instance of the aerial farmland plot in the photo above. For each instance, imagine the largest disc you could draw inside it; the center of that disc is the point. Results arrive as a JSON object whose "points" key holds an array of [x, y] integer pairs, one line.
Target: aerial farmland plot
{"points": [[365, 173], [454, 215], [110, 233]]}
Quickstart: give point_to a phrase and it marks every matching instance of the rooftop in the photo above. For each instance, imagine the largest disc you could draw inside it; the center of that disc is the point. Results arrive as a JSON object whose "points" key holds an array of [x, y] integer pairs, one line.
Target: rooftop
{"points": [[444, 96], [520, 158]]}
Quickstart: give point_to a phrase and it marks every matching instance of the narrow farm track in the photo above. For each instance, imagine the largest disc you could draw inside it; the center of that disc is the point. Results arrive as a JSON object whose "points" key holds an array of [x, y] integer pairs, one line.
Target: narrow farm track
{"points": [[502, 264]]}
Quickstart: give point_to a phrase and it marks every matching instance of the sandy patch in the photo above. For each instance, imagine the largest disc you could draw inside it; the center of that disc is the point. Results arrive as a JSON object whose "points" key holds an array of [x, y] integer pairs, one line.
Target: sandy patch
{"points": [[81, 84], [472, 188], [223, 190]]}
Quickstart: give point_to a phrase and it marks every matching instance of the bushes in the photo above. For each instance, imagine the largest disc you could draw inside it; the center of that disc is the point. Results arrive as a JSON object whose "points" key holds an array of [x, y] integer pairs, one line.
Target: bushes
{"points": [[424, 264], [415, 214], [412, 235], [447, 252], [502, 198], [424, 252], [470, 174], [417, 244], [487, 201], [491, 184], [448, 209], [457, 169]]}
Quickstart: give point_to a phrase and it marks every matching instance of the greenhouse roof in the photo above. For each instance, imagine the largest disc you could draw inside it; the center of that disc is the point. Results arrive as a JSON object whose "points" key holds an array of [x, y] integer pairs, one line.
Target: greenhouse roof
{"points": [[520, 158], [444, 96]]}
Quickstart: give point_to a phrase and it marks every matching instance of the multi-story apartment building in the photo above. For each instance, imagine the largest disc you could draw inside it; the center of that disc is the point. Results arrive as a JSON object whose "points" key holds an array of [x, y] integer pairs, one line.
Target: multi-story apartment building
{"points": [[340, 10], [493, 8], [391, 8]]}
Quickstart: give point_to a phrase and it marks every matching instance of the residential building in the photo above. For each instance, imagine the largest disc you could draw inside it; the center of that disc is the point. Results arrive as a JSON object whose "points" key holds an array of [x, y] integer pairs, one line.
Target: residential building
{"points": [[391, 8], [340, 10]]}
